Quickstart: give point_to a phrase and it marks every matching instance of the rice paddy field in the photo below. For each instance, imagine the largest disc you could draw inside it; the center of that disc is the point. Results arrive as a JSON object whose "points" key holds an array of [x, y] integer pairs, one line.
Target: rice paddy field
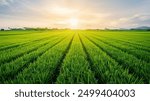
{"points": [[74, 57]]}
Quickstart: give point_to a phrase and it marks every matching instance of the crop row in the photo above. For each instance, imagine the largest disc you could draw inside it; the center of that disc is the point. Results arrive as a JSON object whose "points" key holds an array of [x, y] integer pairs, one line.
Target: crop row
{"points": [[42, 70], [13, 53], [122, 41], [140, 54], [9, 39], [16, 44], [75, 67], [106, 68], [9, 70], [65, 57], [135, 66]]}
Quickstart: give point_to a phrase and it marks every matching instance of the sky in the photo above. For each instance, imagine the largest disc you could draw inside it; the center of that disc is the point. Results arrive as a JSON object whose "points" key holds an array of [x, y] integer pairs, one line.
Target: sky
{"points": [[83, 14]]}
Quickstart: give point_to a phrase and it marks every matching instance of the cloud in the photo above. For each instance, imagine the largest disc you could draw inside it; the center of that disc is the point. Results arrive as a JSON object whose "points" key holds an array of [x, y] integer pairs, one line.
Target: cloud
{"points": [[90, 13], [132, 21], [5, 2]]}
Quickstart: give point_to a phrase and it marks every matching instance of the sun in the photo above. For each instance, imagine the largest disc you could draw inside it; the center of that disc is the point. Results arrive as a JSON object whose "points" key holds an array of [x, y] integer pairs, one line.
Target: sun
{"points": [[73, 22]]}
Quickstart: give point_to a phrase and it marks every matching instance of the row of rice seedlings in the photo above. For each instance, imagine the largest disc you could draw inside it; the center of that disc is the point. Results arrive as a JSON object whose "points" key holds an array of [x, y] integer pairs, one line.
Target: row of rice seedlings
{"points": [[140, 54], [135, 66], [42, 70], [8, 71], [8, 42], [106, 68], [10, 55], [75, 67], [121, 39]]}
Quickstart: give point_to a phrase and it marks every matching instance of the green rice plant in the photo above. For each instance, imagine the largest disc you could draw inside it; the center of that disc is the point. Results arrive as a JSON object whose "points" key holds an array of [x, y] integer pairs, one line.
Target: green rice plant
{"points": [[135, 66], [75, 67], [8, 71], [106, 68], [43, 70]]}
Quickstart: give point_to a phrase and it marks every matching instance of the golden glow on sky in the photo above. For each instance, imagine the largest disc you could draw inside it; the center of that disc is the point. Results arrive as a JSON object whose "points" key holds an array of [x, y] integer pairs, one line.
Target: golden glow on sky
{"points": [[73, 22], [84, 14]]}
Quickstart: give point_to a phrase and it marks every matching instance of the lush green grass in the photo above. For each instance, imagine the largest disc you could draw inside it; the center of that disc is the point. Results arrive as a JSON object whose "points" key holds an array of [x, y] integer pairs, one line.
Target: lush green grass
{"points": [[75, 56]]}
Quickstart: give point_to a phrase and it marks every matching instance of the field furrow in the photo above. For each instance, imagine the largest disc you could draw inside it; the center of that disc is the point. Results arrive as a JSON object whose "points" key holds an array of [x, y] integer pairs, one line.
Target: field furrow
{"points": [[9, 71], [64, 56], [131, 44], [140, 54], [53, 76], [134, 65], [22, 44], [10, 55], [42, 70], [106, 68], [75, 67], [123, 42], [133, 37], [9, 40]]}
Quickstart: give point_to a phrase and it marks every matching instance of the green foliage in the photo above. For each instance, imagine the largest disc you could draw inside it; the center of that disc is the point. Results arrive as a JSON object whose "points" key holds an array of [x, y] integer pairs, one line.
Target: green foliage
{"points": [[74, 56]]}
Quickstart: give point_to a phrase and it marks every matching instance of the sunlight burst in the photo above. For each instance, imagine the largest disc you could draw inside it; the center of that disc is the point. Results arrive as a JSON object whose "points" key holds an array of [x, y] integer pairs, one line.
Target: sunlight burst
{"points": [[73, 22]]}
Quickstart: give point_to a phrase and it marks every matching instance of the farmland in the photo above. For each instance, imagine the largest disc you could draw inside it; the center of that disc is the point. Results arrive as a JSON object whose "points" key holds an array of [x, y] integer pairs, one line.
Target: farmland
{"points": [[74, 57]]}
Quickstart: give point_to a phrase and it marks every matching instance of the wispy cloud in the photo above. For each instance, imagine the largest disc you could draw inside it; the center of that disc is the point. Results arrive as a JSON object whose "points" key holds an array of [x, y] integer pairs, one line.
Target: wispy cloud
{"points": [[90, 13], [132, 21], [5, 2]]}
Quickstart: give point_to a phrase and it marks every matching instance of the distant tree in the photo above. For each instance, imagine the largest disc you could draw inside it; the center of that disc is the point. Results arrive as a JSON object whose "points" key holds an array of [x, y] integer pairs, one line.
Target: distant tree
{"points": [[148, 30], [2, 29], [36, 29]]}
